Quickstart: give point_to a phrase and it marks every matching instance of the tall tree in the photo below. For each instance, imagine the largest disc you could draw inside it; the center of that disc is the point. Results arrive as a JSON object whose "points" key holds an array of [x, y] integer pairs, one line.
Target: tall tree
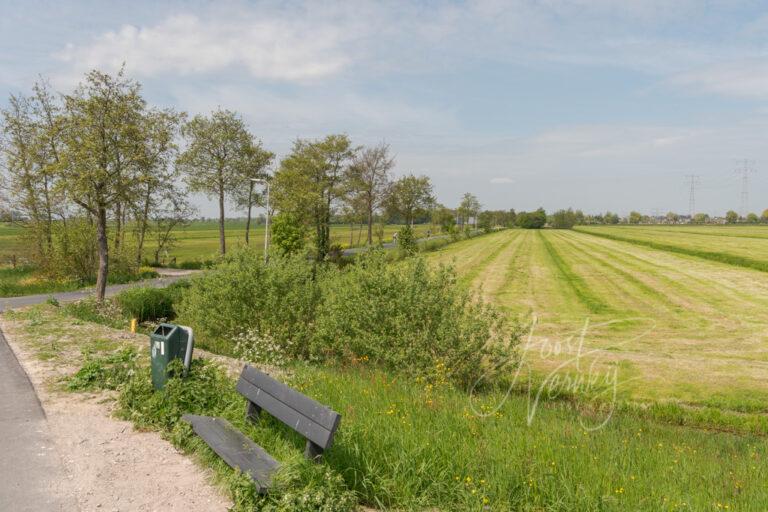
{"points": [[102, 144], [219, 151], [410, 196], [309, 184], [444, 217], [157, 176], [469, 208], [29, 146], [245, 192], [369, 180]]}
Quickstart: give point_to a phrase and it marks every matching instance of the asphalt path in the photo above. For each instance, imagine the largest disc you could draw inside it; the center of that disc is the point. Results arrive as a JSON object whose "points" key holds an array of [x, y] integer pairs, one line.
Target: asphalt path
{"points": [[31, 472], [29, 300]]}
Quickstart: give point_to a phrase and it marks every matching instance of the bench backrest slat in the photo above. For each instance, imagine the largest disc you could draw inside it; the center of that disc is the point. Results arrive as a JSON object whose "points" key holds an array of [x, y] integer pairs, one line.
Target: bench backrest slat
{"points": [[308, 417]]}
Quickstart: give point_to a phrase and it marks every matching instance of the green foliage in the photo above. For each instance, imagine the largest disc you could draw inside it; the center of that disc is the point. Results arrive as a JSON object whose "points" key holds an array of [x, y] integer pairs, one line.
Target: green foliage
{"points": [[52, 301], [300, 485], [611, 218], [146, 303], [410, 197], [310, 488], [106, 312], [220, 159], [731, 217], [563, 219], [406, 242], [701, 218], [532, 220], [752, 218], [175, 291], [288, 234], [410, 318], [107, 372], [310, 178], [243, 293], [444, 218]]}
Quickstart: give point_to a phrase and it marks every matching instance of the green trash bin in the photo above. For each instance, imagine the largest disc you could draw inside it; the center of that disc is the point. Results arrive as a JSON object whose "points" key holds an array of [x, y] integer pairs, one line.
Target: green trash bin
{"points": [[166, 343]]}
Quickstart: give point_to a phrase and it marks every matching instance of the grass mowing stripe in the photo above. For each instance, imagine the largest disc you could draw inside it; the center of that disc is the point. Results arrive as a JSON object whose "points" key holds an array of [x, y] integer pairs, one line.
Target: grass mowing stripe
{"points": [[702, 233], [644, 287], [720, 257], [730, 291], [469, 276], [573, 280]]}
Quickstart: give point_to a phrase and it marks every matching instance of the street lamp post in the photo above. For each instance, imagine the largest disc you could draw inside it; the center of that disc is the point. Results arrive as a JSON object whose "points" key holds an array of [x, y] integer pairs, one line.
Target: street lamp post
{"points": [[266, 224]]}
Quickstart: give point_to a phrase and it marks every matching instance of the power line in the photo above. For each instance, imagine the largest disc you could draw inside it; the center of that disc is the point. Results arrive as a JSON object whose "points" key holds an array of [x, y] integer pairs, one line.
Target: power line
{"points": [[744, 171], [694, 181]]}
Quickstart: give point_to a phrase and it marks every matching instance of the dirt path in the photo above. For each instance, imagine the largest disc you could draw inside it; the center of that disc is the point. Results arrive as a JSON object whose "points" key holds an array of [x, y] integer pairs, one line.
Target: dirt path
{"points": [[109, 465]]}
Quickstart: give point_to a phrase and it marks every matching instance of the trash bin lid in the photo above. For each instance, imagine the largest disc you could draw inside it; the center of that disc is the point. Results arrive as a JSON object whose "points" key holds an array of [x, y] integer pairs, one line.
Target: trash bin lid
{"points": [[164, 330]]}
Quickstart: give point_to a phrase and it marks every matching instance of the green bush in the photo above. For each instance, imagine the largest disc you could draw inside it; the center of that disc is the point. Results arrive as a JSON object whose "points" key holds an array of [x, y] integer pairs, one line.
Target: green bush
{"points": [[401, 316], [176, 290], [243, 294], [410, 318], [288, 234], [406, 241], [146, 303]]}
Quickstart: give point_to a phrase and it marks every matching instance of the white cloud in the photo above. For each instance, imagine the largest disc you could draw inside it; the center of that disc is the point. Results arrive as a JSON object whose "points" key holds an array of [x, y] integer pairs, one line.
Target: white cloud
{"points": [[746, 78], [269, 47]]}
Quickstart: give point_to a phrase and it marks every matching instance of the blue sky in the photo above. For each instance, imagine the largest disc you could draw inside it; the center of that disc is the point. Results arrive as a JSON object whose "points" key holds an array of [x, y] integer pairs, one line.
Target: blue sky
{"points": [[595, 104]]}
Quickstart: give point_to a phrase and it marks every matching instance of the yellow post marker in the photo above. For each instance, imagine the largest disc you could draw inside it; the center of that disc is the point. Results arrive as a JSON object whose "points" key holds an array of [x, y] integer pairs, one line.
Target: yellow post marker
{"points": [[134, 324]]}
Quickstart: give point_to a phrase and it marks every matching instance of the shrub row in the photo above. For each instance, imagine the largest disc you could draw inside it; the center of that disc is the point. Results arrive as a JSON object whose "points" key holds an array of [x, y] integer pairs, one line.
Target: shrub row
{"points": [[402, 316]]}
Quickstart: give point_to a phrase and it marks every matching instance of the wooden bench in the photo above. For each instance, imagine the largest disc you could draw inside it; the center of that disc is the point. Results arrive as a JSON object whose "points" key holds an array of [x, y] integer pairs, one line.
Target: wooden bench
{"points": [[314, 421]]}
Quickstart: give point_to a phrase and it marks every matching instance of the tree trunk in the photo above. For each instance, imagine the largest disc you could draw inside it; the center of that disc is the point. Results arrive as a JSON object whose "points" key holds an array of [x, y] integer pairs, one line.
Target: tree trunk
{"points": [[103, 247], [143, 222], [351, 232], [222, 242], [49, 217], [248, 219], [370, 227], [118, 225]]}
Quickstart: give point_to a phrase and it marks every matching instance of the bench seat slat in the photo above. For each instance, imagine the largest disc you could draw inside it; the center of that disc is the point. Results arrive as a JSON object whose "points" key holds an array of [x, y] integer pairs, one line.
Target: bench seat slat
{"points": [[235, 448], [304, 405], [302, 424]]}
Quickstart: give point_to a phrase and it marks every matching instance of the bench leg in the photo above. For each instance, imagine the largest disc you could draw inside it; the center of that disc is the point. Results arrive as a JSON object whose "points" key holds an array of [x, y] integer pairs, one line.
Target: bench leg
{"points": [[252, 412], [313, 451]]}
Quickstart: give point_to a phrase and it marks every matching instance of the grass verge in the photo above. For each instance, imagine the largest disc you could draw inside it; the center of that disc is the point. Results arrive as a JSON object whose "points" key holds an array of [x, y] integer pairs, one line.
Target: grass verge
{"points": [[407, 444]]}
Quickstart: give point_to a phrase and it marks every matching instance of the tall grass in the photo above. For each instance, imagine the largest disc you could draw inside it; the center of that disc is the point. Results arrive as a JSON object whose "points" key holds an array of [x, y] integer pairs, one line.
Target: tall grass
{"points": [[407, 445]]}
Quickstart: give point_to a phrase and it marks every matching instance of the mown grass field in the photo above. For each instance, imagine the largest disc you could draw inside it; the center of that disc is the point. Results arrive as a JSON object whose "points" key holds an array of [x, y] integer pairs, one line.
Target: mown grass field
{"points": [[663, 323]]}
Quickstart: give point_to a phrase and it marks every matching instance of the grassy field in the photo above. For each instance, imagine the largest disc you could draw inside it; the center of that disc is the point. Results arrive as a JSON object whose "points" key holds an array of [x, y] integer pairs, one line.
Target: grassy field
{"points": [[406, 445], [662, 323], [200, 240], [10, 241]]}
